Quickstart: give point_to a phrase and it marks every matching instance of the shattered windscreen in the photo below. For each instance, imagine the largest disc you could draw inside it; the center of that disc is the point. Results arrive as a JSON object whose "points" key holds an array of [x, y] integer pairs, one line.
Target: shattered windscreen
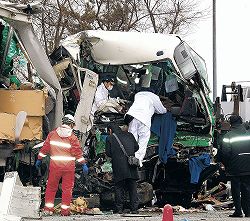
{"points": [[191, 64]]}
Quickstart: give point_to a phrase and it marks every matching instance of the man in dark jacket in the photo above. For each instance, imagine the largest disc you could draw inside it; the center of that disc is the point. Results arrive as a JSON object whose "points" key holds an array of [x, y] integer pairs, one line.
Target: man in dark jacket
{"points": [[235, 155], [124, 175]]}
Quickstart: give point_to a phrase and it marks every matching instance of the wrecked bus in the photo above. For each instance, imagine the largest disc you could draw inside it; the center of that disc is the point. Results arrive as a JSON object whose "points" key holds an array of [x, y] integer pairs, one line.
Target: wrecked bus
{"points": [[31, 96], [177, 73], [66, 83]]}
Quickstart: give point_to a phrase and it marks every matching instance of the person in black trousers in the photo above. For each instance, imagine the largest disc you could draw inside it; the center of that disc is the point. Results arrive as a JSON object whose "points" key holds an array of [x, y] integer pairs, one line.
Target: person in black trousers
{"points": [[124, 175], [234, 153]]}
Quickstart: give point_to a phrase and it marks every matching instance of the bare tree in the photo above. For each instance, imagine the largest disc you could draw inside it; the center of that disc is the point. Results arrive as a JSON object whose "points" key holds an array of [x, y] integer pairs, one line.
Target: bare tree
{"points": [[107, 15], [52, 24], [172, 16], [63, 17]]}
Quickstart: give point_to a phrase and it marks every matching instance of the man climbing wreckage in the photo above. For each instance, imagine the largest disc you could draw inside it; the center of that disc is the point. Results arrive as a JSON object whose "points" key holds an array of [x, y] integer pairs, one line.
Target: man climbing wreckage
{"points": [[145, 104], [175, 72]]}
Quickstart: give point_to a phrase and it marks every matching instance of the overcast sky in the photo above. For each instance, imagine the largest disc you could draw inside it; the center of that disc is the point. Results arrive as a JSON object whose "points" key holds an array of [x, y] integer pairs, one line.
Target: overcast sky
{"points": [[233, 37]]}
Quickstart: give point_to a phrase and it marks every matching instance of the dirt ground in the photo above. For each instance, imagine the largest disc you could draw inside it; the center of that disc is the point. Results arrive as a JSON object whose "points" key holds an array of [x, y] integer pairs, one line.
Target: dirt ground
{"points": [[187, 216]]}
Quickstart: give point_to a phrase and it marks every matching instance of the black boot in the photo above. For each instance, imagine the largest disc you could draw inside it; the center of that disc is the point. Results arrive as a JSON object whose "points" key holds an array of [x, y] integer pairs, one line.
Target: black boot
{"points": [[236, 215]]}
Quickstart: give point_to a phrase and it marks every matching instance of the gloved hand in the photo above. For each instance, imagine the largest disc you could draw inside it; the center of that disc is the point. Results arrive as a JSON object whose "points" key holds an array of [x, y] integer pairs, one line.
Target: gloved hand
{"points": [[85, 168], [38, 164], [120, 101]]}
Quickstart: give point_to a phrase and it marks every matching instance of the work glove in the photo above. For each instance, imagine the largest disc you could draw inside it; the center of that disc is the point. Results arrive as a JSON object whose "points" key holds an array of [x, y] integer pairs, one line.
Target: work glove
{"points": [[38, 164], [85, 168], [120, 101]]}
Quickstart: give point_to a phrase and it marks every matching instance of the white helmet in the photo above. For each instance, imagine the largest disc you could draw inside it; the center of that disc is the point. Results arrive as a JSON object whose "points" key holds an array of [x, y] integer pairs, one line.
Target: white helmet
{"points": [[68, 119]]}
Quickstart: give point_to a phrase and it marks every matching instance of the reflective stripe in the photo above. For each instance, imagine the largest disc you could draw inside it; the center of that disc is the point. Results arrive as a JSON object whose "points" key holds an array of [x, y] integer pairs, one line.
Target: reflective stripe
{"points": [[64, 206], [42, 155], [60, 144], [236, 139], [49, 205], [80, 159], [38, 145], [62, 158], [226, 140], [243, 154]]}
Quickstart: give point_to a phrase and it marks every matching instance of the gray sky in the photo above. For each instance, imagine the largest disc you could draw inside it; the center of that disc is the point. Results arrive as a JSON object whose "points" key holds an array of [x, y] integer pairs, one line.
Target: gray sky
{"points": [[233, 36]]}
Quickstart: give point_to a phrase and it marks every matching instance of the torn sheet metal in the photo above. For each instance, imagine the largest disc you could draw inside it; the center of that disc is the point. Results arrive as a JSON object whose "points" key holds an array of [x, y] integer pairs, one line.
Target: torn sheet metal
{"points": [[13, 14], [34, 7], [21, 22], [82, 114], [41, 63], [72, 44]]}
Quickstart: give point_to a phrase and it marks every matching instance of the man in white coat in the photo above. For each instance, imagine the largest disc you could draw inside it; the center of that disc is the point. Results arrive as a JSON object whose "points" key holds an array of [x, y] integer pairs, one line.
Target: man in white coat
{"points": [[102, 101], [145, 104]]}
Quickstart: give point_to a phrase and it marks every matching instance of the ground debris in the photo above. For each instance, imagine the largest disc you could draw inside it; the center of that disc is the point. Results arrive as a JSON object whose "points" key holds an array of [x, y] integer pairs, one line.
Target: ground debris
{"points": [[220, 187], [153, 209], [180, 210], [216, 198], [79, 206]]}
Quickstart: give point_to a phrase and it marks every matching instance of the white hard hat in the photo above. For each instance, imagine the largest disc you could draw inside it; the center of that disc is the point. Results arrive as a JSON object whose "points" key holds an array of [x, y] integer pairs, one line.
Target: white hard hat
{"points": [[68, 118]]}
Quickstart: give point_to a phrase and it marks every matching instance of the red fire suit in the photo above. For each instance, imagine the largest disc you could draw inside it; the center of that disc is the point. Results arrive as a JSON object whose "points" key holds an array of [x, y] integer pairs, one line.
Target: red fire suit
{"points": [[64, 148]]}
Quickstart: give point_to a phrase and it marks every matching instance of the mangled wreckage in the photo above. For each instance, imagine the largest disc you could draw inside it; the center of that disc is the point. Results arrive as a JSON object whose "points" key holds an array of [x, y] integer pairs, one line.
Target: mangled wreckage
{"points": [[149, 60], [31, 96], [177, 74]]}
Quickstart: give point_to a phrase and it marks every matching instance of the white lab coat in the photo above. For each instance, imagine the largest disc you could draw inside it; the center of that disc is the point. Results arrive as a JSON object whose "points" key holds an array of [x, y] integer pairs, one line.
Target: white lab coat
{"points": [[101, 97], [102, 102], [145, 105]]}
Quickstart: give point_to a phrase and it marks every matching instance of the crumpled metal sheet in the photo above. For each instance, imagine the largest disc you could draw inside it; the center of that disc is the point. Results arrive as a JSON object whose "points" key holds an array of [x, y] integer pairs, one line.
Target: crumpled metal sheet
{"points": [[41, 63]]}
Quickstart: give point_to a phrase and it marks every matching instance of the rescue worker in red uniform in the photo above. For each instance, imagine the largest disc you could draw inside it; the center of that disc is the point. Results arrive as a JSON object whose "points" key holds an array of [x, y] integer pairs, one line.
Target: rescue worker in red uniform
{"points": [[64, 148]]}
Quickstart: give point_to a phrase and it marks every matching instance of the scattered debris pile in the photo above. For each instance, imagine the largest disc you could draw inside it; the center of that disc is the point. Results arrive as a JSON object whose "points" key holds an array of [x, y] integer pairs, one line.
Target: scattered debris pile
{"points": [[80, 206], [218, 197]]}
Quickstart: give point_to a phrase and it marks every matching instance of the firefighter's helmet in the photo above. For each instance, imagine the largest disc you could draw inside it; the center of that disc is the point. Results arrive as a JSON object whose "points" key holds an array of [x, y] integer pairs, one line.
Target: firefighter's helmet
{"points": [[68, 119]]}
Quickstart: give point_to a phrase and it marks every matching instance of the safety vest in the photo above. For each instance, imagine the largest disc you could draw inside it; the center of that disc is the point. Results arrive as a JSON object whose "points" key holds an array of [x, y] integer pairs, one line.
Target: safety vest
{"points": [[63, 151]]}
